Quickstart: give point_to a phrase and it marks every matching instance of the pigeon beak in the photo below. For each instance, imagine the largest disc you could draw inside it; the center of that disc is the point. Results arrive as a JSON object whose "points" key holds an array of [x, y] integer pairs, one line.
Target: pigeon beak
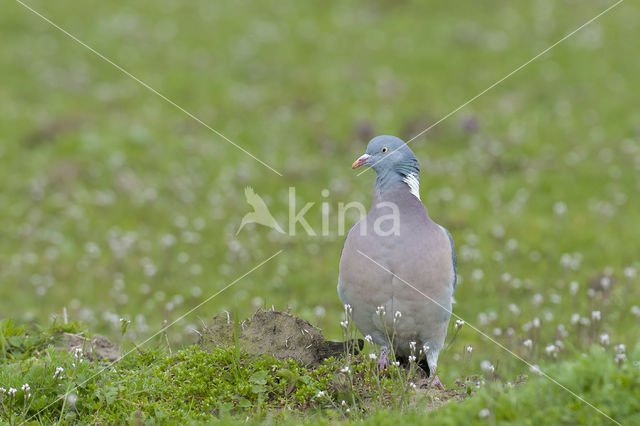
{"points": [[360, 161]]}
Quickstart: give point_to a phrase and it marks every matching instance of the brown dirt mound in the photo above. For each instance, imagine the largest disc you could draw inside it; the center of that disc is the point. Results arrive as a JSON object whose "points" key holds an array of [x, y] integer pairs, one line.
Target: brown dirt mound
{"points": [[275, 333]]}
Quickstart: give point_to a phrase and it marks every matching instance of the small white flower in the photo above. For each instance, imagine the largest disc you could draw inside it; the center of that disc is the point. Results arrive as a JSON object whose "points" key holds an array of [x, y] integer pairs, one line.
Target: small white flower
{"points": [[536, 322], [78, 353], [348, 410], [459, 324], [396, 363], [535, 369], [345, 369], [3, 391], [575, 318], [412, 346], [373, 356], [58, 372], [487, 367], [562, 331], [469, 349], [621, 348], [620, 358], [397, 315], [413, 385], [528, 343], [425, 348], [604, 339], [380, 311], [573, 287], [630, 272], [320, 394], [26, 388], [343, 403], [347, 308], [484, 413], [344, 324], [12, 391], [551, 350], [585, 321], [537, 299], [369, 339], [635, 310], [412, 358], [596, 316]]}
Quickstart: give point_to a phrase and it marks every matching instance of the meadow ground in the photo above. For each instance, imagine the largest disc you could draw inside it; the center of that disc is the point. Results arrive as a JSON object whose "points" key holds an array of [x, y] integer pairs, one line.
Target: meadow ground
{"points": [[117, 205]]}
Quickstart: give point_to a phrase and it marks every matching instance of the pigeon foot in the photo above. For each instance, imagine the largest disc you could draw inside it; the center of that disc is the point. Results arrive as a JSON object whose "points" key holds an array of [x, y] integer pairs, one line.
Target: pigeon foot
{"points": [[436, 383]]}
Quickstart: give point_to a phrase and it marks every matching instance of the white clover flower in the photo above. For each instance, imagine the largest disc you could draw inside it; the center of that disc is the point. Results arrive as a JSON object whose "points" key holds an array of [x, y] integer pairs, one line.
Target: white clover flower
{"points": [[484, 413], [528, 343], [373, 356], [514, 309], [604, 339], [459, 324], [380, 311], [537, 299], [369, 339], [573, 287], [487, 367], [596, 316]]}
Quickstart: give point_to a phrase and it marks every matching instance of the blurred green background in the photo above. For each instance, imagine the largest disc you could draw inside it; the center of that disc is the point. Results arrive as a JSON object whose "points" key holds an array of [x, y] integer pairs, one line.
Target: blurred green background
{"points": [[114, 204]]}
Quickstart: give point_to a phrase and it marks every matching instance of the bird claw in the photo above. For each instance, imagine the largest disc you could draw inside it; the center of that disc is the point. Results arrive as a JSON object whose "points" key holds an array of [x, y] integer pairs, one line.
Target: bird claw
{"points": [[436, 383], [383, 361]]}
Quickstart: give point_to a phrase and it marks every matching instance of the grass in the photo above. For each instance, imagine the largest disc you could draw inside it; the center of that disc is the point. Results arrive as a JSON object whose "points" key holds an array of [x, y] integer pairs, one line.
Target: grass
{"points": [[198, 385], [117, 205]]}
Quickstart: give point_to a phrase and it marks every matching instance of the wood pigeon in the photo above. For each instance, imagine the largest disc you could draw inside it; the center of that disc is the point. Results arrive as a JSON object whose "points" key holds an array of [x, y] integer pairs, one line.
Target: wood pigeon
{"points": [[398, 267]]}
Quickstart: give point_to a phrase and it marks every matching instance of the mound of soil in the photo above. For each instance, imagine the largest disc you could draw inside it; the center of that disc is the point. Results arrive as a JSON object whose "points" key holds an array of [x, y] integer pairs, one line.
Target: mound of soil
{"points": [[98, 347], [275, 333]]}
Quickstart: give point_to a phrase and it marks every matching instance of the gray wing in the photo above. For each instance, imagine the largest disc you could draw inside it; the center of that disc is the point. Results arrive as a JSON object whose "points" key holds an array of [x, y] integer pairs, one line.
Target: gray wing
{"points": [[454, 258]]}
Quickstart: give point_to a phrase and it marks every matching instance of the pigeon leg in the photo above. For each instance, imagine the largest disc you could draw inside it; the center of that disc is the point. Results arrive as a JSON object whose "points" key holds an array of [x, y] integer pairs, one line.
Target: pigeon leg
{"points": [[383, 361], [435, 382]]}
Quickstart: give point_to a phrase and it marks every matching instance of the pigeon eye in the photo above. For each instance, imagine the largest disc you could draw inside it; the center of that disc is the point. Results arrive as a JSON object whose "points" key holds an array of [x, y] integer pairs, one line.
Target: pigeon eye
{"points": [[384, 149]]}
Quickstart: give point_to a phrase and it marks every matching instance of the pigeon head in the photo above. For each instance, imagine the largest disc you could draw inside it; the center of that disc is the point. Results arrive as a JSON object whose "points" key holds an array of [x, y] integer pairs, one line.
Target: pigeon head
{"points": [[392, 160]]}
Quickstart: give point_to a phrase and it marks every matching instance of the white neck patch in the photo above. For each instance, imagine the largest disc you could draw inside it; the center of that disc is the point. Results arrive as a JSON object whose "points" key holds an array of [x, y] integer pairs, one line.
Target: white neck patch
{"points": [[414, 184]]}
